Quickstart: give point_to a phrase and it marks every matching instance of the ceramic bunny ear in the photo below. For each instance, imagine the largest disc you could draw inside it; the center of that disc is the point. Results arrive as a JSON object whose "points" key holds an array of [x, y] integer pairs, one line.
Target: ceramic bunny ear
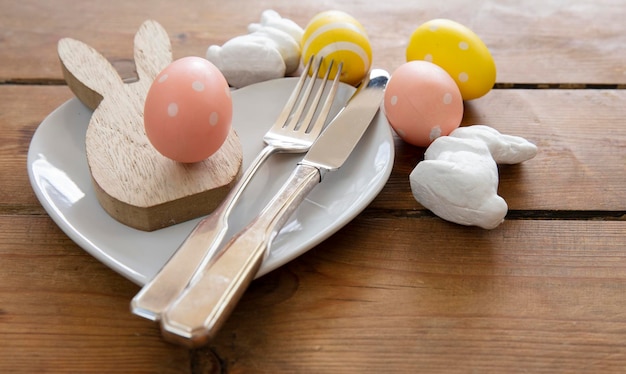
{"points": [[88, 74], [505, 149], [153, 51]]}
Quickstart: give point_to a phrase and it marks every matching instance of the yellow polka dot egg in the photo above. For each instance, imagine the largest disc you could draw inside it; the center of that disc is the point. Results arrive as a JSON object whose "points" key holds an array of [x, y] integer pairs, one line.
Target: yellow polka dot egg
{"points": [[422, 102], [459, 51], [338, 36]]}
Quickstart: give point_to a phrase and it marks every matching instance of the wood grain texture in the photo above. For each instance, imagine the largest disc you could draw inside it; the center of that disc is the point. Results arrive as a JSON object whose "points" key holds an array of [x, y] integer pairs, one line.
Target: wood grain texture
{"points": [[581, 140], [530, 296], [63, 311], [22, 109], [570, 154], [134, 183], [397, 289], [552, 41]]}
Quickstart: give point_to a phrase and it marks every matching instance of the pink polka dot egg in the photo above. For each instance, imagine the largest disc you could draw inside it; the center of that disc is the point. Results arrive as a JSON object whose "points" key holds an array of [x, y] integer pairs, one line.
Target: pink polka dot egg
{"points": [[422, 102], [188, 110]]}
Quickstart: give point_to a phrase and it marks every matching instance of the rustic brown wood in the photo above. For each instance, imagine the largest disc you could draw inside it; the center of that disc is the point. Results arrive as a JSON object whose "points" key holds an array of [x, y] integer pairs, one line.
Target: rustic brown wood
{"points": [[437, 298], [22, 108], [581, 143], [571, 152], [134, 183], [548, 42], [63, 311], [397, 289], [530, 296]]}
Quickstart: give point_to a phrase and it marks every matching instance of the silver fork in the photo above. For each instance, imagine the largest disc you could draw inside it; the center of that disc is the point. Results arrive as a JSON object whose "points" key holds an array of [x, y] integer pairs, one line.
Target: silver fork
{"points": [[291, 133]]}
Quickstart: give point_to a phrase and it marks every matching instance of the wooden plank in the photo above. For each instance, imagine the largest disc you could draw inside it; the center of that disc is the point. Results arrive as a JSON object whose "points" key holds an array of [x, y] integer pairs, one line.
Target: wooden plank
{"points": [[581, 164], [582, 159], [63, 311], [396, 289], [531, 42], [413, 293], [421, 295], [22, 109]]}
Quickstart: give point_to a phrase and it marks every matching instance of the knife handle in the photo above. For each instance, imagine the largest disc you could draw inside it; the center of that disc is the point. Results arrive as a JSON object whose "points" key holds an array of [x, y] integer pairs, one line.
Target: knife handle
{"points": [[197, 249], [196, 316]]}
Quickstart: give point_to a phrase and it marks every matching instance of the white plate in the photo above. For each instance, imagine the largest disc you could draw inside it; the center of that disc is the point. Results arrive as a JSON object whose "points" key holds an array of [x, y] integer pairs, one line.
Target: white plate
{"points": [[59, 175]]}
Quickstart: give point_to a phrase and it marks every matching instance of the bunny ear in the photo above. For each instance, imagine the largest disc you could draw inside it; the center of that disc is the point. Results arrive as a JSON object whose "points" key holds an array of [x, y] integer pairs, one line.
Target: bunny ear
{"points": [[505, 149], [88, 74], [153, 51]]}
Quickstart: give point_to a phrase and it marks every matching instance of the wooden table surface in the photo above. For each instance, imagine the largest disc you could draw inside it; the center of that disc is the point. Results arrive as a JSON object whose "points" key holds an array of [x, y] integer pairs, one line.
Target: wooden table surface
{"points": [[397, 289]]}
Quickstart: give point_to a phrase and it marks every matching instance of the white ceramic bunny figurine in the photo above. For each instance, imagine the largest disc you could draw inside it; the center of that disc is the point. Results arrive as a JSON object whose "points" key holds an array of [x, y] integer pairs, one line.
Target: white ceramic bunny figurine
{"points": [[133, 182], [458, 179], [270, 50]]}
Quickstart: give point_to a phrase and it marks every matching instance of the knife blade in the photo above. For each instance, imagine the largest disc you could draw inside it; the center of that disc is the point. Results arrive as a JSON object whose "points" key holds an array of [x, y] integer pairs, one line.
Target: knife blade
{"points": [[196, 315], [198, 248]]}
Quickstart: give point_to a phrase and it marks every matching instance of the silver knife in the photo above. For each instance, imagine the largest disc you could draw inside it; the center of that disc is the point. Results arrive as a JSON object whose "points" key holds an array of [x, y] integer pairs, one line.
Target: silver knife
{"points": [[196, 315], [199, 248]]}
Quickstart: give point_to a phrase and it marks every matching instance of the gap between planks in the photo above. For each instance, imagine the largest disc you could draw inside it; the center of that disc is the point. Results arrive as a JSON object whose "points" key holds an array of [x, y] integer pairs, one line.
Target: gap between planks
{"points": [[497, 85], [531, 214]]}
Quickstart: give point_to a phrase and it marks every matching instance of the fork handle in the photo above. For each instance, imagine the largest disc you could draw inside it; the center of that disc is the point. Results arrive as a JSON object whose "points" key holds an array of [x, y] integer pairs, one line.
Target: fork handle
{"points": [[195, 317], [198, 249]]}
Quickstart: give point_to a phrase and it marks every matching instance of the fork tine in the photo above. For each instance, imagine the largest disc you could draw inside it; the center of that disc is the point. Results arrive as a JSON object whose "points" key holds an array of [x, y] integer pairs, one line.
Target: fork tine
{"points": [[317, 127], [293, 98], [306, 122], [295, 118]]}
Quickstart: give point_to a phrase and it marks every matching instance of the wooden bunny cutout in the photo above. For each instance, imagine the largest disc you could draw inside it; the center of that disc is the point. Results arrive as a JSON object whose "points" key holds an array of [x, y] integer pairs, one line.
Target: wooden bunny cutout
{"points": [[134, 183]]}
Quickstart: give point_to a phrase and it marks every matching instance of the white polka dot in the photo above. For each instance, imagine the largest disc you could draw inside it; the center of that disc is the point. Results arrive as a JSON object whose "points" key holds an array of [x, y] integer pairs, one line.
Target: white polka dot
{"points": [[172, 109], [394, 100], [447, 98], [463, 77], [433, 27], [401, 133], [213, 118], [428, 58], [464, 46], [435, 132], [163, 78], [197, 86]]}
